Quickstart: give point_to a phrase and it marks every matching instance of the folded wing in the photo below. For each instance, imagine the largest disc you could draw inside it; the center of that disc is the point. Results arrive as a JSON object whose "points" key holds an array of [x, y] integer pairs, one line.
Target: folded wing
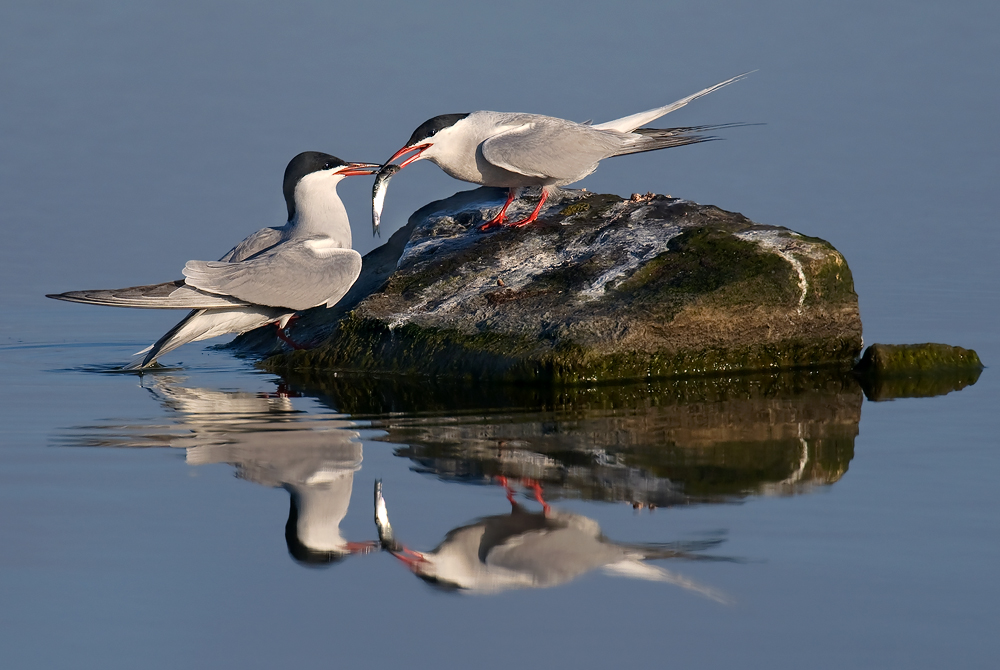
{"points": [[253, 244], [295, 275], [553, 149], [168, 295]]}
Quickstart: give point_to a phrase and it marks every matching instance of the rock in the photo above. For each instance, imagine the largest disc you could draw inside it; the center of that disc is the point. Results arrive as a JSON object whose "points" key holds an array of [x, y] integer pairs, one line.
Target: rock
{"points": [[890, 371], [600, 288], [653, 444], [908, 359]]}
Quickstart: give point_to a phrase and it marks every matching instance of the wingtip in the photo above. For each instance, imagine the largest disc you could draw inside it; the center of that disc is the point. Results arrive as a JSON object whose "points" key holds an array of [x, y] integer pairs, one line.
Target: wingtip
{"points": [[733, 80], [67, 296], [744, 75]]}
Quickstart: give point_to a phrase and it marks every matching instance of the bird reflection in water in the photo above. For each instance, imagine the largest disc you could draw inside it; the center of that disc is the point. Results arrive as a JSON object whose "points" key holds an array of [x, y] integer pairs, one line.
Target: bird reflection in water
{"points": [[269, 442], [317, 505], [526, 549]]}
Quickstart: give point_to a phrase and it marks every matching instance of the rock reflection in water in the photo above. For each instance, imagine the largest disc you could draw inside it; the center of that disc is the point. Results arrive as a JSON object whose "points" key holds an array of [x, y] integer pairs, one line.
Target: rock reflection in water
{"points": [[670, 442], [542, 549], [313, 457], [663, 443]]}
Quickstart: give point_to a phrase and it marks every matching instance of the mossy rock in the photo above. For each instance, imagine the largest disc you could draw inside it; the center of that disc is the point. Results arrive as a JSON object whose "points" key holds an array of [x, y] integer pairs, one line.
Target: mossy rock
{"points": [[890, 371], [599, 289], [664, 442], [909, 359]]}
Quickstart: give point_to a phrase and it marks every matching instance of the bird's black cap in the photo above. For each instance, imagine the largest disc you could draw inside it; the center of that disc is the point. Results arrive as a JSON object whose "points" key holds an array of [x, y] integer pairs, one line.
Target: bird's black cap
{"points": [[430, 127], [305, 163]]}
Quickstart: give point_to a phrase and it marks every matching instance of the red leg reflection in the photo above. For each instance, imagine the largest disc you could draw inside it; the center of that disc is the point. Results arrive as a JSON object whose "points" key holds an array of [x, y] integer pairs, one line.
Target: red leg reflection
{"points": [[537, 488], [506, 486], [527, 483]]}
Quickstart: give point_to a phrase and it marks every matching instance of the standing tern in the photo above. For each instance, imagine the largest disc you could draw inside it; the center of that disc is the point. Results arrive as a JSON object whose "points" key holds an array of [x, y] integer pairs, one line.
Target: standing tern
{"points": [[526, 549], [515, 150], [267, 277]]}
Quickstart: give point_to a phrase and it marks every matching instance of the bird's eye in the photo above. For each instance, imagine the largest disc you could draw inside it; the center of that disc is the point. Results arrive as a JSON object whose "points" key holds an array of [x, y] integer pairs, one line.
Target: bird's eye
{"points": [[328, 166]]}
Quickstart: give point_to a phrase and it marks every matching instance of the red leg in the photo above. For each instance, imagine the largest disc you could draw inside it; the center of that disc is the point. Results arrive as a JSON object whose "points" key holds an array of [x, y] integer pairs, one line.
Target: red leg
{"points": [[283, 336], [500, 218], [534, 214], [537, 488], [506, 487]]}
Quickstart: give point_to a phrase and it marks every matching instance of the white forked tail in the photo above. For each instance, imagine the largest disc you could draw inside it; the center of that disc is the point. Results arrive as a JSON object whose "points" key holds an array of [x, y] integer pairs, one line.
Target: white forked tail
{"points": [[627, 124]]}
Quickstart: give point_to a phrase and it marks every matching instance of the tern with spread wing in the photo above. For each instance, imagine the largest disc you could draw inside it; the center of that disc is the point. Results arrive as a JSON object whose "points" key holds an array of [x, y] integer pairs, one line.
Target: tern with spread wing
{"points": [[267, 277], [515, 150]]}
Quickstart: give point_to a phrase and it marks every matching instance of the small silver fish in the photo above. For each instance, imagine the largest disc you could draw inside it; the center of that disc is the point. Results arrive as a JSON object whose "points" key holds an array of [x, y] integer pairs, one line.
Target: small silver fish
{"points": [[385, 535], [378, 194]]}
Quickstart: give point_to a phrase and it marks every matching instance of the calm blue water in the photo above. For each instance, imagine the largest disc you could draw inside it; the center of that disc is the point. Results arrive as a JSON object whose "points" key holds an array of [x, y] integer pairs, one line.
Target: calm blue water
{"points": [[134, 137]]}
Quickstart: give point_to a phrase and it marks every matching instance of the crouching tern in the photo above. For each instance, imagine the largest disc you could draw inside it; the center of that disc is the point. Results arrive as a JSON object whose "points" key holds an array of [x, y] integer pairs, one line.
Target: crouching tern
{"points": [[267, 277], [515, 150]]}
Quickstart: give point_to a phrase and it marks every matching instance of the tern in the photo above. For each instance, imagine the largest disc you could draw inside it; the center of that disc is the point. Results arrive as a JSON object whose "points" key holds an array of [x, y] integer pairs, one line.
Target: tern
{"points": [[526, 549], [514, 150], [270, 441], [267, 277]]}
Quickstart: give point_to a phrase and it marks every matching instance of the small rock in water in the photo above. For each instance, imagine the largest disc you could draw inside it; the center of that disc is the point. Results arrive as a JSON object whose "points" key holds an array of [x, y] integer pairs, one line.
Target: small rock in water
{"points": [[908, 359], [890, 371]]}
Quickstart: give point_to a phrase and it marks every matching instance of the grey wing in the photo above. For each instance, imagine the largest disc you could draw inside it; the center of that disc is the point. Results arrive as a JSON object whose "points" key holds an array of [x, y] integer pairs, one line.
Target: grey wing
{"points": [[296, 275], [554, 556], [254, 244], [553, 148], [168, 295], [176, 294]]}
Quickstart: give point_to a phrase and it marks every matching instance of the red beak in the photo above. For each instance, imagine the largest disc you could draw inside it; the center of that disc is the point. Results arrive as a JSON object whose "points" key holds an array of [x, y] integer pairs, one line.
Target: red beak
{"points": [[361, 547], [358, 169], [411, 558], [405, 150]]}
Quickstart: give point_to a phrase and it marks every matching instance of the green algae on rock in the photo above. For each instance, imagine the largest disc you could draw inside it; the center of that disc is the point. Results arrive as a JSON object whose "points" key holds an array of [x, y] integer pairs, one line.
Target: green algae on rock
{"points": [[908, 359], [890, 371], [600, 289]]}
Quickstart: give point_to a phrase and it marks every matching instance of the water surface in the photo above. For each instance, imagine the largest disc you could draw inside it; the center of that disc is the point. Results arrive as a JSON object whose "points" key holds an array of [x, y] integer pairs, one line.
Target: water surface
{"points": [[205, 503], [213, 515]]}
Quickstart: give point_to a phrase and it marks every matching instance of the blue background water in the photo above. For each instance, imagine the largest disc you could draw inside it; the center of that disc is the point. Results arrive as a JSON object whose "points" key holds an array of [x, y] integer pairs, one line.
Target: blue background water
{"points": [[136, 136]]}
